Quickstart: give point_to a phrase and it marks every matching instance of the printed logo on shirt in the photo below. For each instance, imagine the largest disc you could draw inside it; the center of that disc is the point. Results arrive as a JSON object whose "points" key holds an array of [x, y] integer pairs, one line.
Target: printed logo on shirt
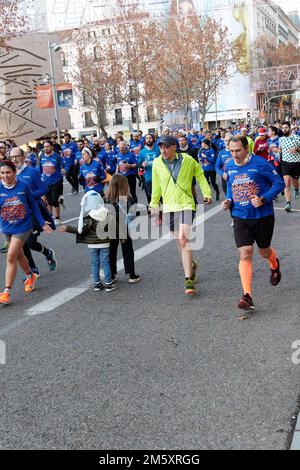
{"points": [[49, 169], [90, 180], [243, 189], [13, 210]]}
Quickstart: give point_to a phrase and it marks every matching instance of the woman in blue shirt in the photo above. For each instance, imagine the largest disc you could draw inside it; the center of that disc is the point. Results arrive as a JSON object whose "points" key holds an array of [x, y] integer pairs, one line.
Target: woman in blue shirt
{"points": [[17, 206], [91, 175], [207, 157]]}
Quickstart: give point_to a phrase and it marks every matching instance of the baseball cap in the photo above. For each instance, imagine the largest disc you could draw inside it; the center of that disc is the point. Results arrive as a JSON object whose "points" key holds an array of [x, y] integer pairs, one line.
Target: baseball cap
{"points": [[168, 140]]}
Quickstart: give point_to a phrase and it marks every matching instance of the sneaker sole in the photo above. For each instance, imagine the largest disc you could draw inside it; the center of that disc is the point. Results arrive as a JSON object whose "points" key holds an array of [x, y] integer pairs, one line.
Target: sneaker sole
{"points": [[5, 304], [131, 281]]}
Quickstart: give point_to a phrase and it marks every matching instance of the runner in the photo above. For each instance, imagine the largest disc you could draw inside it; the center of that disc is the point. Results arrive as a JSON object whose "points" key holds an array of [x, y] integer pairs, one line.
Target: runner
{"points": [[172, 177], [32, 177], [127, 166], [91, 175], [51, 165], [223, 159], [145, 161], [17, 206], [208, 159], [289, 148], [252, 185], [261, 145]]}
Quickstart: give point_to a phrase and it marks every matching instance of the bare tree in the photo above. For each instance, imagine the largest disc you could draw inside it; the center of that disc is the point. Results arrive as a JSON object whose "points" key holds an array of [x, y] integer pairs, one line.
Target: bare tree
{"points": [[93, 76], [12, 19], [132, 56], [196, 59]]}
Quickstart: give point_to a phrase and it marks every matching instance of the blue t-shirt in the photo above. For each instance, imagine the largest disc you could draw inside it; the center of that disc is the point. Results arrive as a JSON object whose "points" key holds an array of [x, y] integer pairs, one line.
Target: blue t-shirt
{"points": [[33, 177], [93, 175], [223, 159], [257, 178], [31, 160], [134, 144], [72, 146], [50, 168], [17, 206], [148, 156], [130, 159], [208, 159], [68, 161], [273, 142], [111, 161]]}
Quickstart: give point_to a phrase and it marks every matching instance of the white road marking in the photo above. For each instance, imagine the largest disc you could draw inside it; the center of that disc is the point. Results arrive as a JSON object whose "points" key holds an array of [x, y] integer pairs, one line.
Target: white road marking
{"points": [[283, 209], [70, 220], [68, 294]]}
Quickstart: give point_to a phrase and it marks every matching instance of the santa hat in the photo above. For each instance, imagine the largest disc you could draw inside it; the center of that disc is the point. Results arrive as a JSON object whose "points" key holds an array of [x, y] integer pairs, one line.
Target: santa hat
{"points": [[262, 131]]}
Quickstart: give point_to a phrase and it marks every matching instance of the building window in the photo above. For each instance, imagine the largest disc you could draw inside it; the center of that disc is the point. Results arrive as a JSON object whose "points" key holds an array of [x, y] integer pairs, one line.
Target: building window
{"points": [[118, 117], [97, 53], [64, 59], [133, 115], [88, 120], [150, 114]]}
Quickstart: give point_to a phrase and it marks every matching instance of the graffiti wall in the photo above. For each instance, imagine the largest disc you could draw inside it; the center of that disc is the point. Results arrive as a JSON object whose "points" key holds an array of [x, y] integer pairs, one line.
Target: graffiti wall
{"points": [[24, 64]]}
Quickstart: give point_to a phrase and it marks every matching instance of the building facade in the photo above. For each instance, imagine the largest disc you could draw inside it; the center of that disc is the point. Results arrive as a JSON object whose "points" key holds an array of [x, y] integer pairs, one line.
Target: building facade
{"points": [[238, 101]]}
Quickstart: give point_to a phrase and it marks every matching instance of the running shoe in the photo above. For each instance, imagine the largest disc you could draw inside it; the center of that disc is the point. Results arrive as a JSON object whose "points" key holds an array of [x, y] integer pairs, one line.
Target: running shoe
{"points": [[134, 279], [98, 287], [275, 275], [246, 303], [110, 287], [29, 283], [52, 261], [194, 271], [4, 248], [288, 207], [35, 271], [296, 193], [190, 287], [5, 298], [57, 222]]}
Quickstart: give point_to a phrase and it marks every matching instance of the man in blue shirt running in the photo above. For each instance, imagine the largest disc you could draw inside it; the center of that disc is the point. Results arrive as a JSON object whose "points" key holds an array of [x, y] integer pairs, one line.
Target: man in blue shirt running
{"points": [[252, 185]]}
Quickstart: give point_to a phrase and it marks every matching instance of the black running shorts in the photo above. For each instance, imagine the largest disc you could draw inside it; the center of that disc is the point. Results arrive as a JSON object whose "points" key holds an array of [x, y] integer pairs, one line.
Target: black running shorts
{"points": [[247, 232], [54, 192], [291, 169], [176, 219]]}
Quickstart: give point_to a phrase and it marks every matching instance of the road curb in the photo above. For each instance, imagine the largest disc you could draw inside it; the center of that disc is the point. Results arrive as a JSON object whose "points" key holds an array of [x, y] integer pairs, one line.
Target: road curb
{"points": [[296, 439]]}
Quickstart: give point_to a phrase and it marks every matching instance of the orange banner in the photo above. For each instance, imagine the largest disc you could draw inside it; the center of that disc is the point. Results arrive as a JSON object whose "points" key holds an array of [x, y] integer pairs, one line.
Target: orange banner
{"points": [[44, 97]]}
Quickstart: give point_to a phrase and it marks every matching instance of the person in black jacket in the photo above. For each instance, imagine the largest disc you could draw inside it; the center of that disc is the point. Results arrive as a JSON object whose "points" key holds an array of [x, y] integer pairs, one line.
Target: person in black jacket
{"points": [[118, 190]]}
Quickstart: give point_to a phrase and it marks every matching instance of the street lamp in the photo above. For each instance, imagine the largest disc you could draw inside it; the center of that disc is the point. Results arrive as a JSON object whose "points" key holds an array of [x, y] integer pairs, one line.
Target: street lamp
{"points": [[56, 48]]}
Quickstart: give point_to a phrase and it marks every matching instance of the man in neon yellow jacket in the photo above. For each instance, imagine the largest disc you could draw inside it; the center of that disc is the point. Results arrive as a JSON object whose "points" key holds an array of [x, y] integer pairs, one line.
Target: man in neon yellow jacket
{"points": [[172, 179]]}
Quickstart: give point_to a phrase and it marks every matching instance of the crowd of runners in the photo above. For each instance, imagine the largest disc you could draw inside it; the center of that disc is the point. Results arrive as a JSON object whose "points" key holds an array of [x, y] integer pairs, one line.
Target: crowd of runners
{"points": [[252, 165]]}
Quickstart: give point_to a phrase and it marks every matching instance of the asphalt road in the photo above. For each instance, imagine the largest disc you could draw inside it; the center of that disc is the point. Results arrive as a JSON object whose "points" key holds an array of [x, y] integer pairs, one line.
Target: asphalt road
{"points": [[144, 367]]}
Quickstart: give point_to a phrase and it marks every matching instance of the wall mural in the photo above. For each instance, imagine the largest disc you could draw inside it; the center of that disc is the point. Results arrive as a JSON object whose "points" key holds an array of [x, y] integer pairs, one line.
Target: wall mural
{"points": [[23, 65]]}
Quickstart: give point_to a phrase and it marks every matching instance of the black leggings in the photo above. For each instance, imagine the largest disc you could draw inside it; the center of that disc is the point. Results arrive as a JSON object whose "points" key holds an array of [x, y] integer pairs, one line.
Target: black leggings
{"points": [[128, 256], [132, 185], [34, 245], [72, 178], [211, 177]]}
